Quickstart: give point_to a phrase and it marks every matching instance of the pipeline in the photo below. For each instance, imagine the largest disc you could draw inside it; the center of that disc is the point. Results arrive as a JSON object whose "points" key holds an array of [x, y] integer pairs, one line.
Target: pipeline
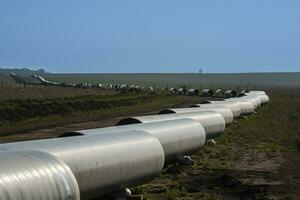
{"points": [[104, 161]]}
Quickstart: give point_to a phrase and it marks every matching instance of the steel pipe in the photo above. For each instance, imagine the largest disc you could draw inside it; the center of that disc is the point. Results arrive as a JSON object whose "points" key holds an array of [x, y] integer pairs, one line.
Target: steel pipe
{"points": [[34, 175], [230, 93], [213, 122], [255, 100], [192, 92], [262, 96], [105, 162], [247, 106], [179, 137], [207, 92], [225, 112], [234, 107], [264, 99]]}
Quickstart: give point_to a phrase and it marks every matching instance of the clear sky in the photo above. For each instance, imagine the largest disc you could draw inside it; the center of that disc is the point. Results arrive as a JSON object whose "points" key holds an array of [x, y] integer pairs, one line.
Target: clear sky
{"points": [[151, 35]]}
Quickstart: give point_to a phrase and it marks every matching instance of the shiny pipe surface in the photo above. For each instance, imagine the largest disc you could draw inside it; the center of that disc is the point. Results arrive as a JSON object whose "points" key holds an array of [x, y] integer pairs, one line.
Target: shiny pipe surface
{"points": [[34, 175], [255, 100], [225, 112], [179, 137], [263, 97], [213, 122], [105, 162], [234, 107], [247, 106]]}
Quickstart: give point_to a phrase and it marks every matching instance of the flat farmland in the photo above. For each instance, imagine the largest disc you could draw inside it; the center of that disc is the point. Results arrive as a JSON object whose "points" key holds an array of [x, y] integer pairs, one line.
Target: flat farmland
{"points": [[225, 81], [261, 80]]}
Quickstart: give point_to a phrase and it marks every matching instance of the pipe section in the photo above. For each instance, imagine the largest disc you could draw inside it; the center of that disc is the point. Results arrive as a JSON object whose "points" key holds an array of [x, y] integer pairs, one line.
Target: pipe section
{"points": [[247, 106], [207, 92], [225, 112], [213, 122], [234, 107], [179, 137], [230, 93], [105, 162], [34, 175]]}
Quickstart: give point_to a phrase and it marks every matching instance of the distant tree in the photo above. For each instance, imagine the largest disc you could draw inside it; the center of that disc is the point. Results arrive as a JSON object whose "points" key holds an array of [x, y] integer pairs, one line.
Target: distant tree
{"points": [[200, 71]]}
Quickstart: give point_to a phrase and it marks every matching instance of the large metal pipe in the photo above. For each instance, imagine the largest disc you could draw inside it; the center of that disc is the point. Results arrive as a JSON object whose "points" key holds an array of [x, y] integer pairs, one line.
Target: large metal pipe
{"points": [[230, 93], [259, 94], [255, 100], [213, 122], [105, 162], [219, 92], [34, 175], [179, 137], [192, 92], [207, 92], [264, 99], [234, 107], [247, 106], [256, 92], [225, 112]]}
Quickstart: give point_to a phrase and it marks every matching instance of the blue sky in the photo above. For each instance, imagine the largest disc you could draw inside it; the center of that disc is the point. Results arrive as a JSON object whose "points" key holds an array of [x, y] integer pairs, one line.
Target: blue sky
{"points": [[151, 36]]}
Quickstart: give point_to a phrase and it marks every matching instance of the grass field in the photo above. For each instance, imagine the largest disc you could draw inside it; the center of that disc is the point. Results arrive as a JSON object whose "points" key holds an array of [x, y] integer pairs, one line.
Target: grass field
{"points": [[225, 81], [192, 80], [41, 92]]}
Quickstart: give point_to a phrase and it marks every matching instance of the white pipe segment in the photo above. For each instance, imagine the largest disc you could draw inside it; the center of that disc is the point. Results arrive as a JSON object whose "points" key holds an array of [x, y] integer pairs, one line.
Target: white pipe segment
{"points": [[34, 175], [259, 94], [253, 99], [225, 112], [247, 106], [234, 107], [105, 162], [264, 99], [179, 137], [213, 122]]}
